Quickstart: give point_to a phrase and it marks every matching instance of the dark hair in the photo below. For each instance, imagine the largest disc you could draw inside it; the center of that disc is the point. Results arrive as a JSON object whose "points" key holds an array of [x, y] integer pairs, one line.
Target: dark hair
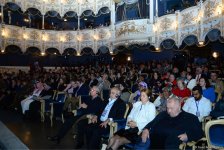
{"points": [[207, 83], [197, 88]]}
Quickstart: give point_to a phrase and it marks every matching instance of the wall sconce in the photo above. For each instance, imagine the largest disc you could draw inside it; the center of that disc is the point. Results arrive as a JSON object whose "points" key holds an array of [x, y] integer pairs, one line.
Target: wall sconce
{"points": [[3, 33], [44, 38], [96, 37], [2, 51], [215, 54], [111, 52], [55, 53], [154, 27], [108, 34], [157, 48], [174, 25], [62, 39], [0, 14], [78, 54], [219, 10], [129, 58], [25, 36], [79, 38]]}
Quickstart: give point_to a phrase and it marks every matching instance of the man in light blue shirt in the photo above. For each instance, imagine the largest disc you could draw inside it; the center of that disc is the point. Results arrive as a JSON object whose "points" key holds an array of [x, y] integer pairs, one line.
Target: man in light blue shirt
{"points": [[114, 109]]}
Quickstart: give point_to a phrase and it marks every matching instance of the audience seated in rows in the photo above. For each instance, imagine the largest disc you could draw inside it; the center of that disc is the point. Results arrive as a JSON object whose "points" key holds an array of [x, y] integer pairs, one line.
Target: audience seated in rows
{"points": [[94, 105]]}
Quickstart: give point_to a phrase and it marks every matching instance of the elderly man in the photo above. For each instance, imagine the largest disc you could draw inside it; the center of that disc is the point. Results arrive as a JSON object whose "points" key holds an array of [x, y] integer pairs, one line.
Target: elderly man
{"points": [[114, 109], [172, 127], [93, 105]]}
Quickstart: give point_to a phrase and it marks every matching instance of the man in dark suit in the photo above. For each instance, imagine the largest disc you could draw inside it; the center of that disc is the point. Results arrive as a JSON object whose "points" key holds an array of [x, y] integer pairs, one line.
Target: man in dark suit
{"points": [[114, 109], [92, 104], [81, 89]]}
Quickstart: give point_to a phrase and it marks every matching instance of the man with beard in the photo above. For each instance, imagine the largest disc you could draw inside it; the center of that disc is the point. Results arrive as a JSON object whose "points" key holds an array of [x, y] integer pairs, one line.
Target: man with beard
{"points": [[198, 105]]}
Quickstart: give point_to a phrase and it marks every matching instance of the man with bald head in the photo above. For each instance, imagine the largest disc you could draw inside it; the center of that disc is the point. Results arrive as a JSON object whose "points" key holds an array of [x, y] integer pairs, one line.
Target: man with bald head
{"points": [[172, 127]]}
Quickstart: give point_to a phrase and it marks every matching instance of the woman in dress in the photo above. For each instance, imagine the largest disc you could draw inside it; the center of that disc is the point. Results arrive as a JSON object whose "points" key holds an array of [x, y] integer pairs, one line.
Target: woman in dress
{"points": [[142, 113]]}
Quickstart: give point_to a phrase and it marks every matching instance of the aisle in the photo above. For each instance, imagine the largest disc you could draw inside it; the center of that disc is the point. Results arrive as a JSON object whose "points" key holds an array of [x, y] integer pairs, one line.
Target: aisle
{"points": [[34, 133]]}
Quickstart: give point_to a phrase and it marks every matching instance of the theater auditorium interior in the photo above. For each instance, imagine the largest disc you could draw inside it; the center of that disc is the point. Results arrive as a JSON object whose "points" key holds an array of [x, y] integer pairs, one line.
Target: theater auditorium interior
{"points": [[112, 74]]}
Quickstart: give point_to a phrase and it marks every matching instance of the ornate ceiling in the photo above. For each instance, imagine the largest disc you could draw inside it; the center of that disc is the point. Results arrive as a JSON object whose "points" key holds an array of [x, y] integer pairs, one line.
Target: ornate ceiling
{"points": [[196, 22]]}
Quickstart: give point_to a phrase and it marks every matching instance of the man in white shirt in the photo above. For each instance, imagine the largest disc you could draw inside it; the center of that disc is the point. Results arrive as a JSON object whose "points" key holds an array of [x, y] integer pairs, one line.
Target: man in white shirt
{"points": [[198, 105]]}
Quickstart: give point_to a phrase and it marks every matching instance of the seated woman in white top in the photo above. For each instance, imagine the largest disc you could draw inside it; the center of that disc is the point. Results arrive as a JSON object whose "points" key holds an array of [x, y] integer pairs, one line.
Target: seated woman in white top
{"points": [[142, 113]]}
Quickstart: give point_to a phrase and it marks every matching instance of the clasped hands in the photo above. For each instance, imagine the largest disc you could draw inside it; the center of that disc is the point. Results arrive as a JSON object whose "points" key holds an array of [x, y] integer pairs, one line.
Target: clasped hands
{"points": [[103, 124], [132, 124]]}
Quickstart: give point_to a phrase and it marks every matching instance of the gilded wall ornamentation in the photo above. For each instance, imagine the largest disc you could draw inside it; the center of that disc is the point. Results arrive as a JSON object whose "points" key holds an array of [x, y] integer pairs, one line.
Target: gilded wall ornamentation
{"points": [[165, 23], [69, 37], [210, 8], [130, 27], [187, 19], [34, 35], [139, 31]]}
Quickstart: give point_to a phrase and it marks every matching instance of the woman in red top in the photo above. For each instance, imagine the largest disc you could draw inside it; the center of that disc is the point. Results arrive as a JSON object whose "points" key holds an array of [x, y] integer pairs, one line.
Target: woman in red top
{"points": [[181, 91]]}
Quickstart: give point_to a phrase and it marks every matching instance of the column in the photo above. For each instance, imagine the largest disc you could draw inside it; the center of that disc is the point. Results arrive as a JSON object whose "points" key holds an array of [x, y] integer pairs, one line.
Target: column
{"points": [[43, 22], [112, 14], [157, 8], [2, 12], [151, 11], [10, 18], [78, 22]]}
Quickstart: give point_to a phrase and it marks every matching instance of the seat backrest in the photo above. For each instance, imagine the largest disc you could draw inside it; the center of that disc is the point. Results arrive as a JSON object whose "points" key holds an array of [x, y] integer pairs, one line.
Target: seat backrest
{"points": [[214, 131], [105, 94], [61, 97]]}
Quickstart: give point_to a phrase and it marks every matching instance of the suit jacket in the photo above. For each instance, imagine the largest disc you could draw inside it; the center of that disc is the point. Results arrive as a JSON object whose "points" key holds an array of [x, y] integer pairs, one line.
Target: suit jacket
{"points": [[117, 111]]}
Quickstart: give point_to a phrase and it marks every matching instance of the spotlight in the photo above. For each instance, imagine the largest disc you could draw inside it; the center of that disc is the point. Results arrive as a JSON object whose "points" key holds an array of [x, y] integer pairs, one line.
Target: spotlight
{"points": [[129, 58], [111, 52], [2, 51], [55, 53], [65, 20], [85, 19], [78, 54]]}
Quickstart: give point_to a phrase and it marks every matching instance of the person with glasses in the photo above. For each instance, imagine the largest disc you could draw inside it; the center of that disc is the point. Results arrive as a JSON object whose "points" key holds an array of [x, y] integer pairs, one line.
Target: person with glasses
{"points": [[94, 105], [114, 109]]}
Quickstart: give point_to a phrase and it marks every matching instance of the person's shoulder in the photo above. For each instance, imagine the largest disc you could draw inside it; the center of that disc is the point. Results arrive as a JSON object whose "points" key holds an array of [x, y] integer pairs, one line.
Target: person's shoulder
{"points": [[150, 104], [188, 115], [137, 103], [205, 100], [190, 99]]}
